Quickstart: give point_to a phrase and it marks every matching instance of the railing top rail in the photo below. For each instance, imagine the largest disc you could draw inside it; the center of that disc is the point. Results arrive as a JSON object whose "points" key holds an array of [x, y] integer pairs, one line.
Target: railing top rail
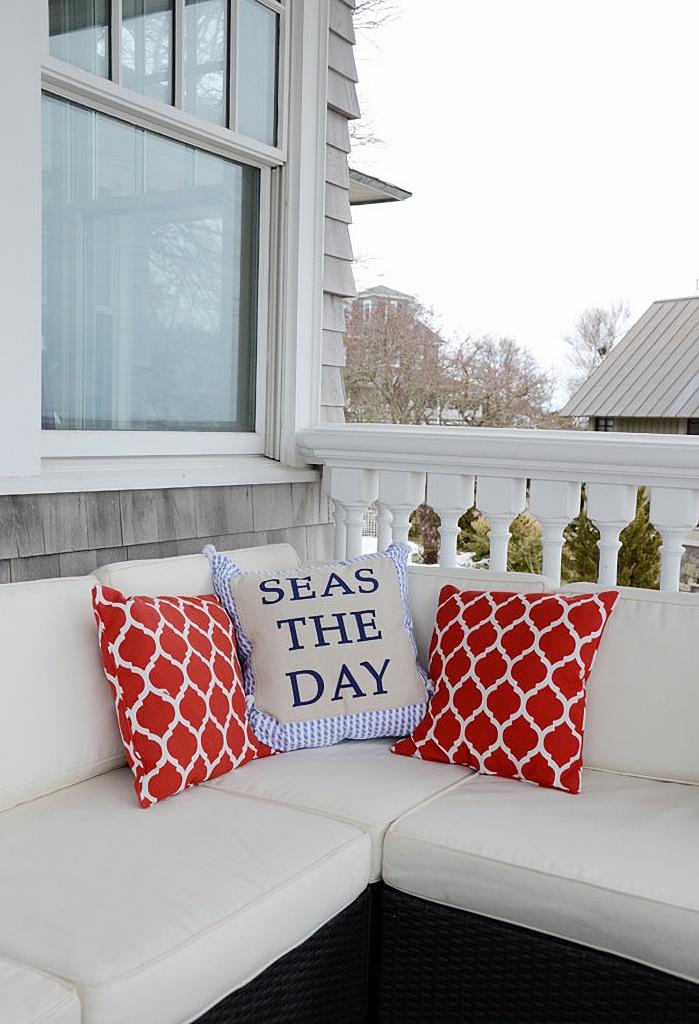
{"points": [[652, 459]]}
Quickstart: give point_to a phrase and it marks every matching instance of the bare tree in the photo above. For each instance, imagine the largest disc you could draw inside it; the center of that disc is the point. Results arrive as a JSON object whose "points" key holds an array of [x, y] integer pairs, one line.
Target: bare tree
{"points": [[400, 370], [596, 332], [496, 382], [371, 13], [395, 362]]}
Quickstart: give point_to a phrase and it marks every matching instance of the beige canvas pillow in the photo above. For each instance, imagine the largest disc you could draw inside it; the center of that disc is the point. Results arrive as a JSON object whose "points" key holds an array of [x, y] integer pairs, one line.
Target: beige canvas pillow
{"points": [[327, 651]]}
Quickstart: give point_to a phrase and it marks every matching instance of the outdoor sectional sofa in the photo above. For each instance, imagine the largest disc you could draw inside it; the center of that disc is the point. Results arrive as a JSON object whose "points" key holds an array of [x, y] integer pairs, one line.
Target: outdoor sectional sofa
{"points": [[345, 883]]}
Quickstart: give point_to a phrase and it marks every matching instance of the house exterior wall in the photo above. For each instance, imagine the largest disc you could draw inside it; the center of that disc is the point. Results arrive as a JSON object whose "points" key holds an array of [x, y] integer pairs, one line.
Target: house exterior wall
{"points": [[167, 502], [646, 425], [338, 280], [655, 425], [71, 534]]}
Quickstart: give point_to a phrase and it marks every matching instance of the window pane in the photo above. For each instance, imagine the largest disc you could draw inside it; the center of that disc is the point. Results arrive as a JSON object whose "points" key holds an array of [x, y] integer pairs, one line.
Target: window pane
{"points": [[205, 61], [146, 47], [150, 280], [79, 33], [258, 33]]}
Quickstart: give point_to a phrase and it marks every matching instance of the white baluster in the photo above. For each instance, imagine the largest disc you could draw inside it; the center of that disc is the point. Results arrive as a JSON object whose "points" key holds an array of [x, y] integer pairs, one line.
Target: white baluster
{"points": [[450, 495], [353, 489], [383, 527], [500, 499], [354, 522], [339, 515], [673, 512], [401, 492], [611, 507], [554, 503]]}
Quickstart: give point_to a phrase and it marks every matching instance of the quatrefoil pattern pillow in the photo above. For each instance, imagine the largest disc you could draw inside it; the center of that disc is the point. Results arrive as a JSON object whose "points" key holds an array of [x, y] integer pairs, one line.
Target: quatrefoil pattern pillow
{"points": [[175, 677], [510, 673]]}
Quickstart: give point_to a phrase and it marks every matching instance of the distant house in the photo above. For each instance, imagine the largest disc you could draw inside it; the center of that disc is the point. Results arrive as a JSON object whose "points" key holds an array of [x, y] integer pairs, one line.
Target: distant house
{"points": [[381, 297], [393, 369], [649, 382]]}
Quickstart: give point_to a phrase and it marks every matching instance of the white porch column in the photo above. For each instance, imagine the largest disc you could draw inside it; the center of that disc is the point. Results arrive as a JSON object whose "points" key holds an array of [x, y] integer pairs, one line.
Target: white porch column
{"points": [[554, 503], [673, 512], [401, 491], [450, 496], [611, 507], [500, 499], [352, 490]]}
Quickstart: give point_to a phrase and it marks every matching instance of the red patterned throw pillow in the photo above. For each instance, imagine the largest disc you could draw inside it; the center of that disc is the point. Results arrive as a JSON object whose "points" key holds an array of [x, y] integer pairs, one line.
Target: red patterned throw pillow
{"points": [[174, 673], [510, 674]]}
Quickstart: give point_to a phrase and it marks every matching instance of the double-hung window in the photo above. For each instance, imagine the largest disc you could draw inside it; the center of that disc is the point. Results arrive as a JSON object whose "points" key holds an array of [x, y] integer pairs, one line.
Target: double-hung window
{"points": [[162, 138]]}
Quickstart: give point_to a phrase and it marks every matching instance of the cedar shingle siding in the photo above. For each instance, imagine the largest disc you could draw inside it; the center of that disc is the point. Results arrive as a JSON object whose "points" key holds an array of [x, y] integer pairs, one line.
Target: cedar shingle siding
{"points": [[338, 279], [44, 535]]}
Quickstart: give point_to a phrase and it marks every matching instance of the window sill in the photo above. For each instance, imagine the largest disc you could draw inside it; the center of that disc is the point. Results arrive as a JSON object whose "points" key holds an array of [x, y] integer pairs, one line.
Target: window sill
{"points": [[126, 473]]}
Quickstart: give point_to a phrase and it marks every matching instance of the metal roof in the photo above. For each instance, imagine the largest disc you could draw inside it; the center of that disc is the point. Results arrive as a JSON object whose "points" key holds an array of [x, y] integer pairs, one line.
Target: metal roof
{"points": [[652, 371]]}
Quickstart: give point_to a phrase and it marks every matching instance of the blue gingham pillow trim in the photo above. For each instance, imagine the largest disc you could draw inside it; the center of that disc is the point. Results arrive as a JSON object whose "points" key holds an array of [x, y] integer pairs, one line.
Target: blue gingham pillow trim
{"points": [[287, 736]]}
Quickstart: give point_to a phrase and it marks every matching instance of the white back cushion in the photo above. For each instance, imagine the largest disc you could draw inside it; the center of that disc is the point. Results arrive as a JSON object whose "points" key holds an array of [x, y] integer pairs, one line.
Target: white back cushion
{"points": [[57, 724], [643, 692], [426, 581], [189, 575]]}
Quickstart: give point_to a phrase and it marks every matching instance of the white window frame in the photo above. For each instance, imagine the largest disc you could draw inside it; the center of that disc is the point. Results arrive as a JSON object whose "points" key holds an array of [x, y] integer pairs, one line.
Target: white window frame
{"points": [[289, 287], [72, 83]]}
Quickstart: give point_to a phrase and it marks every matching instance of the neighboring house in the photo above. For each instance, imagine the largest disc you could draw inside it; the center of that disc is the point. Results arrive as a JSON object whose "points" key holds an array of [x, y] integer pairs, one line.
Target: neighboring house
{"points": [[364, 190], [394, 365], [381, 297], [194, 265], [378, 303], [649, 382]]}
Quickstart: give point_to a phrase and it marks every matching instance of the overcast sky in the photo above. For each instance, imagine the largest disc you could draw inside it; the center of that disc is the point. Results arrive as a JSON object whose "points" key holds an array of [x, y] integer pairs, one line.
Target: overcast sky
{"points": [[552, 151]]}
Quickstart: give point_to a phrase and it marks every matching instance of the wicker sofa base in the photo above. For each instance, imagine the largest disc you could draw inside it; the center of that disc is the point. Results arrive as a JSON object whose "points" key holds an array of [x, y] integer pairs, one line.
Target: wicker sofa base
{"points": [[326, 979], [438, 965], [390, 958]]}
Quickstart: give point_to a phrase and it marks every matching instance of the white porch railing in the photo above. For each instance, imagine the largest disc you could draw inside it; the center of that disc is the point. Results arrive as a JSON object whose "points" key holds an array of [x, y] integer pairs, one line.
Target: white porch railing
{"points": [[506, 471]]}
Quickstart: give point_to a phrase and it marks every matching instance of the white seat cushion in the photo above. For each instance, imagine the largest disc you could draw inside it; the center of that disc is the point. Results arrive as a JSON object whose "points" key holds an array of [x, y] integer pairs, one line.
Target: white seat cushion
{"points": [[28, 996], [614, 867], [357, 781], [153, 915]]}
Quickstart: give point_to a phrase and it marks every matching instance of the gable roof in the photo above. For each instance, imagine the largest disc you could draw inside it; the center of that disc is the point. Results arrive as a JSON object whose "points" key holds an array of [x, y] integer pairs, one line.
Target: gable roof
{"points": [[653, 371]]}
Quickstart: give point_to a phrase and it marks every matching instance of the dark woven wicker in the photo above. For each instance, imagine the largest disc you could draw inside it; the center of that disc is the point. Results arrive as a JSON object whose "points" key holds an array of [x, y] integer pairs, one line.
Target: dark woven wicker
{"points": [[443, 966], [325, 980]]}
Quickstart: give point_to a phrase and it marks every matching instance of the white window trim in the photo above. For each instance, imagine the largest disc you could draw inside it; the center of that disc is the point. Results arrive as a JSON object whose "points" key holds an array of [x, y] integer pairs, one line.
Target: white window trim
{"points": [[79, 86], [36, 461], [63, 475], [298, 394]]}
